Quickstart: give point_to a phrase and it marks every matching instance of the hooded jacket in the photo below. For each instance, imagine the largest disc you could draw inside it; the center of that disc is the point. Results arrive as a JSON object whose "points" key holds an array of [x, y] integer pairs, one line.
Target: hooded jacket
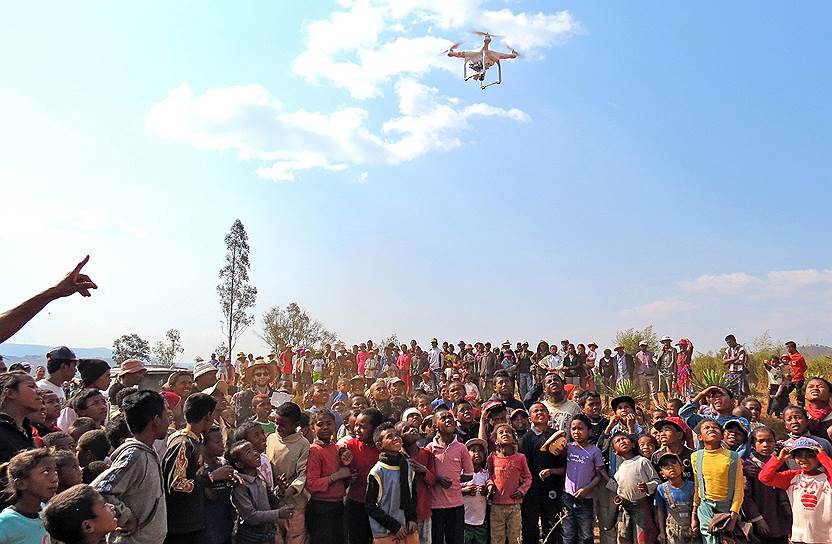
{"points": [[134, 485]]}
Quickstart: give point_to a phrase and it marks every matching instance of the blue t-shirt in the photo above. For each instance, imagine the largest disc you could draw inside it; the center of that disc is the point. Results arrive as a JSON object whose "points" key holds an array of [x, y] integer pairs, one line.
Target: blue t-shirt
{"points": [[15, 528], [683, 494]]}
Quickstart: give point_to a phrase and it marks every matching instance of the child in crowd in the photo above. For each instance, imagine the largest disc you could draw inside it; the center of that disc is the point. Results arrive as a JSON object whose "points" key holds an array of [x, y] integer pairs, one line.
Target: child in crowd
{"points": [[754, 409], [674, 503], [288, 451], [182, 468], [453, 466], [735, 436], [391, 496], [59, 441], [32, 481], [673, 407], [81, 426], [590, 403], [636, 480], [797, 425], [808, 487], [509, 480], [69, 471], [326, 480], [421, 461], [92, 446], [776, 386], [647, 445], [474, 494], [519, 422], [252, 432], [134, 481], [256, 506], [718, 480], [219, 514], [364, 457], [426, 432], [79, 515], [584, 469], [261, 404], [766, 508]]}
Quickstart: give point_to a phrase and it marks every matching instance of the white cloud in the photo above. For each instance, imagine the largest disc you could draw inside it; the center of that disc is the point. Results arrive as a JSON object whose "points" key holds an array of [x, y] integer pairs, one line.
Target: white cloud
{"points": [[721, 283], [772, 283], [660, 307], [360, 48], [365, 47], [249, 120]]}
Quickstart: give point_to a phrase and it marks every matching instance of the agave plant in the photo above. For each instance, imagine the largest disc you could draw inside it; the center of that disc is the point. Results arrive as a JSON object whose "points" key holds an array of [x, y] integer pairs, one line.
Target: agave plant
{"points": [[627, 388], [710, 377]]}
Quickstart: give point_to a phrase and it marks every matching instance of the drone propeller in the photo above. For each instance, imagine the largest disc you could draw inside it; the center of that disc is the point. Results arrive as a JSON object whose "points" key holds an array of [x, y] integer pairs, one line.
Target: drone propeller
{"points": [[451, 48], [485, 34], [513, 50]]}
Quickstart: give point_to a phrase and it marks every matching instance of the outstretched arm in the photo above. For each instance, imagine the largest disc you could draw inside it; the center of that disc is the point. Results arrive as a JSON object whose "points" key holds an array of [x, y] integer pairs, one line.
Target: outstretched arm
{"points": [[13, 320]]}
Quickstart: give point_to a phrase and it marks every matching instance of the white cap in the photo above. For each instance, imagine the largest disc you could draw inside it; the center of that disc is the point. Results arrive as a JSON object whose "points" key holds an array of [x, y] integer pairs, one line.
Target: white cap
{"points": [[666, 339]]}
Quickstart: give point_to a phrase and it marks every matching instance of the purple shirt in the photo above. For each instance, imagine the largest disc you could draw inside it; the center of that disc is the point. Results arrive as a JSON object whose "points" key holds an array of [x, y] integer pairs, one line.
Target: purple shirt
{"points": [[581, 466]]}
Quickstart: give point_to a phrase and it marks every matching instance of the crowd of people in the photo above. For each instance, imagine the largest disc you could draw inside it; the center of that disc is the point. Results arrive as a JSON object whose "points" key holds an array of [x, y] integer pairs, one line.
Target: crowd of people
{"points": [[449, 444]]}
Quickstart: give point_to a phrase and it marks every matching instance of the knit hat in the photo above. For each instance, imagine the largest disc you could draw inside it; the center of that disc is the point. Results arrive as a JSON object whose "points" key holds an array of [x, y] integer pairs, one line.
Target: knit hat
{"points": [[92, 369]]}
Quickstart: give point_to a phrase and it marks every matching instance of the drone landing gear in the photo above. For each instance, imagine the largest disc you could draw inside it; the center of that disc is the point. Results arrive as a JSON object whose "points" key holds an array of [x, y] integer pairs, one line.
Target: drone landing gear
{"points": [[499, 79]]}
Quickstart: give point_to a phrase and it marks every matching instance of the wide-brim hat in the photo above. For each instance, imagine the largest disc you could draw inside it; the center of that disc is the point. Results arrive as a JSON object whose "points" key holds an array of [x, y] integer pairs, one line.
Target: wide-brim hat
{"points": [[132, 366], [592, 344], [507, 343], [623, 398], [203, 368], [666, 339], [260, 363], [555, 444]]}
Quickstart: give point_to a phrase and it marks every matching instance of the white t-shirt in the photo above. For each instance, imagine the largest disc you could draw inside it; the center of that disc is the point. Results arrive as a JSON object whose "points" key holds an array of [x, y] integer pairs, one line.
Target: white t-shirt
{"points": [[49, 386], [475, 505]]}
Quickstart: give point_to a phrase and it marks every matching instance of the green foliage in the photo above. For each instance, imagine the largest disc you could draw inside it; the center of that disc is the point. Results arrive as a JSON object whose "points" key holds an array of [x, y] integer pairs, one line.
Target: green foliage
{"points": [[628, 388], [630, 339], [709, 377], [293, 327], [237, 295], [820, 367], [130, 346], [168, 349]]}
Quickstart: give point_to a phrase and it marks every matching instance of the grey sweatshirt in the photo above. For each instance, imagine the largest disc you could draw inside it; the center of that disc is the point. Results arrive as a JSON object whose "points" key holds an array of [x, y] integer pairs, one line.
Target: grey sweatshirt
{"points": [[133, 484]]}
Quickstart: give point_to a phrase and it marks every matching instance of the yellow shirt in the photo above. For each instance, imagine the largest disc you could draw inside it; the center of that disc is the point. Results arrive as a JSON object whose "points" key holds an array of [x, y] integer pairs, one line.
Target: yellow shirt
{"points": [[715, 466]]}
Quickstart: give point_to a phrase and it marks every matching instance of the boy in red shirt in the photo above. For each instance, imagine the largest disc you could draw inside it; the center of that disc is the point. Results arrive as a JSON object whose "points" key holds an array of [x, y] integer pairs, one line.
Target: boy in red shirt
{"points": [[326, 478], [509, 480]]}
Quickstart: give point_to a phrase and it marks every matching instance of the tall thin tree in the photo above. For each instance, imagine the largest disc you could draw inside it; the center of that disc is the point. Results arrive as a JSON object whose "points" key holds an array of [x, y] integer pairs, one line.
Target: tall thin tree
{"points": [[237, 295]]}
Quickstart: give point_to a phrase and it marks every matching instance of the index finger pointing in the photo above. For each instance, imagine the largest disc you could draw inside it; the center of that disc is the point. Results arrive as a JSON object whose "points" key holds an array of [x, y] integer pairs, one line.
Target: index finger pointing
{"points": [[81, 265]]}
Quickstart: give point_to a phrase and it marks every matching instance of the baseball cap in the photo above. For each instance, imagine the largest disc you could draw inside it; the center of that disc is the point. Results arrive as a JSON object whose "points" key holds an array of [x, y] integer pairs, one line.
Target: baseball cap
{"points": [[801, 443], [62, 353]]}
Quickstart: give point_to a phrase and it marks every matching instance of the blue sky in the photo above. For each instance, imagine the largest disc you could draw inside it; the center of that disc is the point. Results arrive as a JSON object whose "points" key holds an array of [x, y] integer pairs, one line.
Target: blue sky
{"points": [[642, 164]]}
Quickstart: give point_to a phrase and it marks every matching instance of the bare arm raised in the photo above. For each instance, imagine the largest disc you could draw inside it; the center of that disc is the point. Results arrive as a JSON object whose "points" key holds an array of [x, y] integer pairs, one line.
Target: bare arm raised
{"points": [[13, 320]]}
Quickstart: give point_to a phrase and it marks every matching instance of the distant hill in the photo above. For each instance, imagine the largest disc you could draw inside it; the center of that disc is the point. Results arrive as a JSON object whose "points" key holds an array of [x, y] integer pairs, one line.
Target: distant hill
{"points": [[815, 350], [35, 353]]}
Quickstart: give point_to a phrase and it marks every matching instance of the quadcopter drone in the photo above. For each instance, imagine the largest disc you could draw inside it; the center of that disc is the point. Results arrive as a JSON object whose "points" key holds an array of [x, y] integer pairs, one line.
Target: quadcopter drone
{"points": [[481, 60]]}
